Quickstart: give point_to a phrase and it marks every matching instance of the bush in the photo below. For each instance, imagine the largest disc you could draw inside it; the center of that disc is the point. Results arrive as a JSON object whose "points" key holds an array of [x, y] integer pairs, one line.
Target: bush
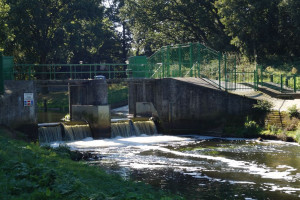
{"points": [[293, 112], [263, 106]]}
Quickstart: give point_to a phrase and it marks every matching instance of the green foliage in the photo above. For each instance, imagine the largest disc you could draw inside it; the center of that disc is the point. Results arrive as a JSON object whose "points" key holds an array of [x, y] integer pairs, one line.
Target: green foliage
{"points": [[59, 31], [263, 106], [28, 171], [155, 23], [293, 111]]}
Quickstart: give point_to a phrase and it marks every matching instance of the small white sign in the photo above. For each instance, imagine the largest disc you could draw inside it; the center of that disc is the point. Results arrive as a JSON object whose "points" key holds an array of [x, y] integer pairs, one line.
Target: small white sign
{"points": [[28, 99]]}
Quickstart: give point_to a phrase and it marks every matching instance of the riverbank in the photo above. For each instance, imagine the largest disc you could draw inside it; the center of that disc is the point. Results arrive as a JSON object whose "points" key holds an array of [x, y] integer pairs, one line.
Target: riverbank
{"points": [[28, 171]]}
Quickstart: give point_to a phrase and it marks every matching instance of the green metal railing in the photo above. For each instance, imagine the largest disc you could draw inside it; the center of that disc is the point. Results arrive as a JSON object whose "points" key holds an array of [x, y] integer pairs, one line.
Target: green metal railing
{"points": [[73, 71], [284, 83], [182, 60]]}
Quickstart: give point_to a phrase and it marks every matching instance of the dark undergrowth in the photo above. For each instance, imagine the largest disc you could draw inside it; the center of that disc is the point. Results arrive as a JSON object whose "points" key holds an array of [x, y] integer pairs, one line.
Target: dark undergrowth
{"points": [[28, 171]]}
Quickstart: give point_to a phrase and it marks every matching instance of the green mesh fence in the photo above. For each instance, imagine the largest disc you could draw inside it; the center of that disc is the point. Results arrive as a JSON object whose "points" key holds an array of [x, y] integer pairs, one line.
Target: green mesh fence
{"points": [[197, 60]]}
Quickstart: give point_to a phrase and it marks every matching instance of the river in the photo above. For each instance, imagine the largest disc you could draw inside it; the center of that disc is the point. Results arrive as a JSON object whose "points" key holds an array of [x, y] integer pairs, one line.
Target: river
{"points": [[200, 167]]}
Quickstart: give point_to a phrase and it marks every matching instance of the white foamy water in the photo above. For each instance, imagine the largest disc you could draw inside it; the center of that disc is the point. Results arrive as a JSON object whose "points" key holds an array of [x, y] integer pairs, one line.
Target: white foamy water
{"points": [[189, 156]]}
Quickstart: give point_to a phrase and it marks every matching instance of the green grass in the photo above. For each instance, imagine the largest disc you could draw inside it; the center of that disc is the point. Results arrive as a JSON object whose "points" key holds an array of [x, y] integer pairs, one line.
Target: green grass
{"points": [[28, 171]]}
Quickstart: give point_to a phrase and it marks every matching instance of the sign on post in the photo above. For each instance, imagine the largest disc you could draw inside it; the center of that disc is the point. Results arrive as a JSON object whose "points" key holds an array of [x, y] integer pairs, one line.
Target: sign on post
{"points": [[28, 99]]}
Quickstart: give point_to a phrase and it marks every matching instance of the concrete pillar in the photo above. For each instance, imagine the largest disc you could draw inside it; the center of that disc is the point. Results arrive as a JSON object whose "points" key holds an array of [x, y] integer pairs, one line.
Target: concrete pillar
{"points": [[88, 102]]}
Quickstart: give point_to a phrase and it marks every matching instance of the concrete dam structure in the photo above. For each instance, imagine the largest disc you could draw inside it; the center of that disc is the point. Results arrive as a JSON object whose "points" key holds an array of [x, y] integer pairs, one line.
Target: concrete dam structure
{"points": [[185, 105], [181, 105]]}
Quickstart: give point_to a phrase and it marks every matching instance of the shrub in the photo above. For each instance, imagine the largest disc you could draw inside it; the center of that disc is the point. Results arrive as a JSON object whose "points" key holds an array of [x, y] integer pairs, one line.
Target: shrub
{"points": [[293, 112], [263, 106]]}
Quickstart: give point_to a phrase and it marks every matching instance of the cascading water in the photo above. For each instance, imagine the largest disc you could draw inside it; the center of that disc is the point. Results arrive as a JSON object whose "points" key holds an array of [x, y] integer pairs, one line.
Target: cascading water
{"points": [[145, 127], [120, 129], [49, 134], [63, 132], [130, 128], [77, 132]]}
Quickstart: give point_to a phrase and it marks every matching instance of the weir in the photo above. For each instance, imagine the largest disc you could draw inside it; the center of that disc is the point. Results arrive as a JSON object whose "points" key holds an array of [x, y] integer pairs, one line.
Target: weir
{"points": [[133, 128], [53, 132]]}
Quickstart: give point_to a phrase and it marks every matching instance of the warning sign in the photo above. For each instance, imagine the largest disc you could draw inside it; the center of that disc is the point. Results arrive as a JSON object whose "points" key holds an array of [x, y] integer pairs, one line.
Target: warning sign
{"points": [[28, 99]]}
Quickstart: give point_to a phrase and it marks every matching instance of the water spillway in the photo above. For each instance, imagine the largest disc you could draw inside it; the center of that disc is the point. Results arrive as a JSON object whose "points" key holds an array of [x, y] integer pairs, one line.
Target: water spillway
{"points": [[53, 132], [133, 128]]}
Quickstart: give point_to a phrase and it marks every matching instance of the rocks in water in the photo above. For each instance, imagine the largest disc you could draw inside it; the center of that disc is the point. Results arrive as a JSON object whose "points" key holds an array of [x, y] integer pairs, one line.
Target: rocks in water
{"points": [[87, 156]]}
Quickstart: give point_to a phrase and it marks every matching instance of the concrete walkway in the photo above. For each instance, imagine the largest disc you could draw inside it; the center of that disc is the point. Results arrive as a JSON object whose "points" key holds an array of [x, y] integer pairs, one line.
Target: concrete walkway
{"points": [[279, 104]]}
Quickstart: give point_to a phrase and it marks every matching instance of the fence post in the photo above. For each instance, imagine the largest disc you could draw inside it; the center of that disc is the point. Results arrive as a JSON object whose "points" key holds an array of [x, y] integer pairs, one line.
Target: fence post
{"points": [[191, 59], [168, 61], [180, 60], [199, 59], [235, 73], [163, 62], [1, 75], [261, 76], [295, 83], [254, 83], [281, 83], [220, 58], [225, 68]]}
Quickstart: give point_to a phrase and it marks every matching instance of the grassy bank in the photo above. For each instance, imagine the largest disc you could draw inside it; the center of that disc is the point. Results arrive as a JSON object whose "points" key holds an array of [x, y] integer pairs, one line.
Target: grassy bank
{"points": [[28, 171]]}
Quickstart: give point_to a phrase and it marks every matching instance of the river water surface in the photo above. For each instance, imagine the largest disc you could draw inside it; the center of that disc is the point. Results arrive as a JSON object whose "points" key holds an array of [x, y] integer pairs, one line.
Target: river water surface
{"points": [[200, 167]]}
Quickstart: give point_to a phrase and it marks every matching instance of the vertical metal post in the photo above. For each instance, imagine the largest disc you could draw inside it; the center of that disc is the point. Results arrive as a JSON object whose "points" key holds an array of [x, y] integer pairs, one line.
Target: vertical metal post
{"points": [[235, 73], [70, 71], [281, 83], [163, 62], [109, 77], [191, 59], [90, 71], [225, 69], [75, 71], [295, 83], [261, 76], [179, 59], [54, 72], [254, 80], [199, 59], [50, 72], [220, 58], [1, 75], [168, 61]]}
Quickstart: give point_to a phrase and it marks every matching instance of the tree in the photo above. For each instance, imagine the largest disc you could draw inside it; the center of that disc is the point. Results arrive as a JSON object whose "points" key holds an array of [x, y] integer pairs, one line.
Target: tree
{"points": [[113, 13], [264, 30], [157, 23], [51, 31]]}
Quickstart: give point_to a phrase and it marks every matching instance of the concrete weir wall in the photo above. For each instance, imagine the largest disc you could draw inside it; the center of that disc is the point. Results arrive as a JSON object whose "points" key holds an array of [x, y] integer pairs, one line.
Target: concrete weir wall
{"points": [[88, 102], [183, 106], [13, 112]]}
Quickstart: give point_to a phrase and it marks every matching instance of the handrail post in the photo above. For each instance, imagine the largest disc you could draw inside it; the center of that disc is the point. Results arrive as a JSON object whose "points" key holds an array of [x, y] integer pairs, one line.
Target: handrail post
{"points": [[225, 68], [54, 72], [281, 83], [168, 61], [261, 76], [179, 59], [295, 83], [235, 73], [191, 59], [199, 59], [220, 58]]}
